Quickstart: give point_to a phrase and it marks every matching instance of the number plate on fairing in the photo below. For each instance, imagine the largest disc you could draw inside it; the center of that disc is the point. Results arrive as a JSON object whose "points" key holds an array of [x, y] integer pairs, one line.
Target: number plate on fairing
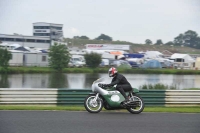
{"points": [[113, 92]]}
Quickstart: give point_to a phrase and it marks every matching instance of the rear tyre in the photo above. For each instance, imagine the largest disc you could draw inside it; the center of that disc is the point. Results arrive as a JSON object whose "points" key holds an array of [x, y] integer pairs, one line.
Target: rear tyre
{"points": [[93, 106], [139, 104]]}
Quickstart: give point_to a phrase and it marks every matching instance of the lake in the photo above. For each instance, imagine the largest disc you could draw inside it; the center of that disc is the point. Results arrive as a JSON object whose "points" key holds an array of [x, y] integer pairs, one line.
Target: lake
{"points": [[84, 81]]}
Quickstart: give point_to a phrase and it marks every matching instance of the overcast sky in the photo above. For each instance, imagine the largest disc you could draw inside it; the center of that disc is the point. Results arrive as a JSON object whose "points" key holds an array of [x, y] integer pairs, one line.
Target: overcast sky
{"points": [[127, 20]]}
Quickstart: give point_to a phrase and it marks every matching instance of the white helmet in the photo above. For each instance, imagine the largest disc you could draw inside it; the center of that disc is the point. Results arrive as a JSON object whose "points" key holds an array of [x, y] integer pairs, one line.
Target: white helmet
{"points": [[112, 71]]}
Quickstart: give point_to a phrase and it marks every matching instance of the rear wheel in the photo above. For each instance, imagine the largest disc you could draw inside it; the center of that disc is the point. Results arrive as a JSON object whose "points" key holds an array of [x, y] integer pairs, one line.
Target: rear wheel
{"points": [[139, 104], [93, 106]]}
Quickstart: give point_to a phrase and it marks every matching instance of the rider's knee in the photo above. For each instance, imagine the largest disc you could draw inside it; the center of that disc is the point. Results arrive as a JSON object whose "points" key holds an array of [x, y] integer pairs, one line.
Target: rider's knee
{"points": [[118, 87]]}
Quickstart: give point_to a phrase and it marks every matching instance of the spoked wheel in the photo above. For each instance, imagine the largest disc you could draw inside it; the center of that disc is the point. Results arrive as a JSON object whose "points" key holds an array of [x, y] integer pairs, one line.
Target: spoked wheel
{"points": [[139, 104], [93, 106]]}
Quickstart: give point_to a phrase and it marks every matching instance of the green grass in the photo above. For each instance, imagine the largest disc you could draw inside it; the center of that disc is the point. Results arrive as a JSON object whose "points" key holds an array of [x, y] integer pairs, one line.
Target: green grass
{"points": [[192, 89], [194, 109], [13, 70]]}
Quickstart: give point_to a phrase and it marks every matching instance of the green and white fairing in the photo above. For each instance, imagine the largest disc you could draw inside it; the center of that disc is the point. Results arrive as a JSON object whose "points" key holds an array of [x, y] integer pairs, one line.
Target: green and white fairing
{"points": [[112, 96]]}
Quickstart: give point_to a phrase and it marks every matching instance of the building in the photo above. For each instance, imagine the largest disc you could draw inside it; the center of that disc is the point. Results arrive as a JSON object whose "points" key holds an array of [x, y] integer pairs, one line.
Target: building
{"points": [[197, 63], [44, 35], [28, 41], [53, 31], [16, 58], [108, 47], [36, 59]]}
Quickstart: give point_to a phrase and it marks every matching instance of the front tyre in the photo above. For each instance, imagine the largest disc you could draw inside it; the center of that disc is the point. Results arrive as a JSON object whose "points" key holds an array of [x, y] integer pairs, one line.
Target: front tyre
{"points": [[139, 104], [93, 106]]}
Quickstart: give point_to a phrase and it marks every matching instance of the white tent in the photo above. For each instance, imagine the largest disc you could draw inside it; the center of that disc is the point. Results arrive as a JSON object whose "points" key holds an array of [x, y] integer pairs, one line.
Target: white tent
{"points": [[183, 57], [153, 54], [183, 61], [197, 63]]}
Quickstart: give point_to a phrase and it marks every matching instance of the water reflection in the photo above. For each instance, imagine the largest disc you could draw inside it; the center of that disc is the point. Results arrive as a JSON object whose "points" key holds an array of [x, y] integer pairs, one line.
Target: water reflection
{"points": [[76, 81], [56, 80], [4, 83], [84, 81]]}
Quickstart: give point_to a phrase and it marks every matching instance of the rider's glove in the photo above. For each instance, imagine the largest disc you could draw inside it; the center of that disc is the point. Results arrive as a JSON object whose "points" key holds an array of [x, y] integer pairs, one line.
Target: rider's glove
{"points": [[100, 85], [106, 85], [103, 85]]}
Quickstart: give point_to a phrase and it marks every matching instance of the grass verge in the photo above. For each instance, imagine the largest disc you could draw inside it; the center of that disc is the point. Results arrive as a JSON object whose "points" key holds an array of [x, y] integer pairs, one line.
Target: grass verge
{"points": [[194, 109], [16, 70]]}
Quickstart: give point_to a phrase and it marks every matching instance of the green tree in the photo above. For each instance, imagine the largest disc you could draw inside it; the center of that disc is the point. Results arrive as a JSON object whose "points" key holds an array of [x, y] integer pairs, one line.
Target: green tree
{"points": [[104, 37], [5, 56], [84, 37], [159, 42], [169, 43], [189, 38], [198, 43], [59, 56], [148, 41], [179, 40], [92, 60], [81, 37]]}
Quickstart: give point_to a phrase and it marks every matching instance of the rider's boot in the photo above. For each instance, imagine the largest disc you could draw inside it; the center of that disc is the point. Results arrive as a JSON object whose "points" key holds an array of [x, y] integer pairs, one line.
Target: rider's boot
{"points": [[123, 103], [126, 100]]}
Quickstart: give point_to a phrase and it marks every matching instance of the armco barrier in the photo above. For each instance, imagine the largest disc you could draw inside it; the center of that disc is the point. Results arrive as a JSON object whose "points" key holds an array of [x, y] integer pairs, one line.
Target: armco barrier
{"points": [[55, 96], [182, 98]]}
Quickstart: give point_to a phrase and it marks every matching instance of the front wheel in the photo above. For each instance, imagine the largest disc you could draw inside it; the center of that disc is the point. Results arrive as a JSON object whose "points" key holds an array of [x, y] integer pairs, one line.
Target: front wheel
{"points": [[139, 104], [93, 106]]}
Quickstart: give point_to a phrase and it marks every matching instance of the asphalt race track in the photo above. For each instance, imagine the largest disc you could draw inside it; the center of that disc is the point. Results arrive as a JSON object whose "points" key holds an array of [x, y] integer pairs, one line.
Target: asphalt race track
{"points": [[104, 122]]}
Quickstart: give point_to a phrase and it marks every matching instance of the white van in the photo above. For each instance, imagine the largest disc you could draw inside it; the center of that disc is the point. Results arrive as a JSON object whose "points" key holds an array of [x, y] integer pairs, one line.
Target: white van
{"points": [[104, 62], [77, 61]]}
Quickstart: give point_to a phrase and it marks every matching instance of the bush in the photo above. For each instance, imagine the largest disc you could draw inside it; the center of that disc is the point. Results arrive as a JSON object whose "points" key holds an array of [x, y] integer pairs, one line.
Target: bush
{"points": [[5, 56], [92, 60], [59, 57]]}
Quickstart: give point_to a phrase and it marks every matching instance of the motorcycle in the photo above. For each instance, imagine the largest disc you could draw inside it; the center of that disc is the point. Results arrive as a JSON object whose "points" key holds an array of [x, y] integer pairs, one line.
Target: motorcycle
{"points": [[111, 99]]}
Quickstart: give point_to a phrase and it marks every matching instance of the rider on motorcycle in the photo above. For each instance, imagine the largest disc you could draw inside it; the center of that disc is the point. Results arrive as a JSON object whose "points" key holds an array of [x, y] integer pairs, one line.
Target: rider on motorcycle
{"points": [[118, 79]]}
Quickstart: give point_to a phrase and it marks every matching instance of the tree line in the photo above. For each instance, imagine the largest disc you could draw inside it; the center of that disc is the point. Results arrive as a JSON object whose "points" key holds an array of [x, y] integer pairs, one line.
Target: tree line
{"points": [[189, 38], [100, 37]]}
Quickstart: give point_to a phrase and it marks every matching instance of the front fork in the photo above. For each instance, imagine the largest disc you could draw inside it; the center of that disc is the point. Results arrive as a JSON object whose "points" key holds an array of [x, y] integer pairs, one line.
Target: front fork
{"points": [[96, 97], [94, 102], [131, 96]]}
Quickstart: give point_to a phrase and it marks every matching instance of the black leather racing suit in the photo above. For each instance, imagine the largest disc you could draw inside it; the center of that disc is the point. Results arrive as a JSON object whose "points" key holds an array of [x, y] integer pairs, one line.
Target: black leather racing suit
{"points": [[122, 84]]}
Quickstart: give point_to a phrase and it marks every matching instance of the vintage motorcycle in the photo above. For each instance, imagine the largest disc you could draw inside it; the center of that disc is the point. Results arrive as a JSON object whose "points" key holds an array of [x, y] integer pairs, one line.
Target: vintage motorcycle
{"points": [[111, 99]]}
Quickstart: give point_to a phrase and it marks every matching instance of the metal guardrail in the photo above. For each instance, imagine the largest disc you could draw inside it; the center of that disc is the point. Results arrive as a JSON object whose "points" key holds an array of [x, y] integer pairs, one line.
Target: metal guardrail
{"points": [[56, 96], [182, 98]]}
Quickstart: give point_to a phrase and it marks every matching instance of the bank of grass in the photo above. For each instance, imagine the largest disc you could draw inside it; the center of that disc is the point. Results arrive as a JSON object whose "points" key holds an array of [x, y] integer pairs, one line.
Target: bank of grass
{"points": [[191, 89], [14, 70], [194, 109]]}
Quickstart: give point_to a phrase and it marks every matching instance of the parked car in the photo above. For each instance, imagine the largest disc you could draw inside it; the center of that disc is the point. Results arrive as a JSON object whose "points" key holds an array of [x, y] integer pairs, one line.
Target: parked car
{"points": [[76, 64], [121, 63], [133, 64], [111, 61], [104, 62], [166, 64]]}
